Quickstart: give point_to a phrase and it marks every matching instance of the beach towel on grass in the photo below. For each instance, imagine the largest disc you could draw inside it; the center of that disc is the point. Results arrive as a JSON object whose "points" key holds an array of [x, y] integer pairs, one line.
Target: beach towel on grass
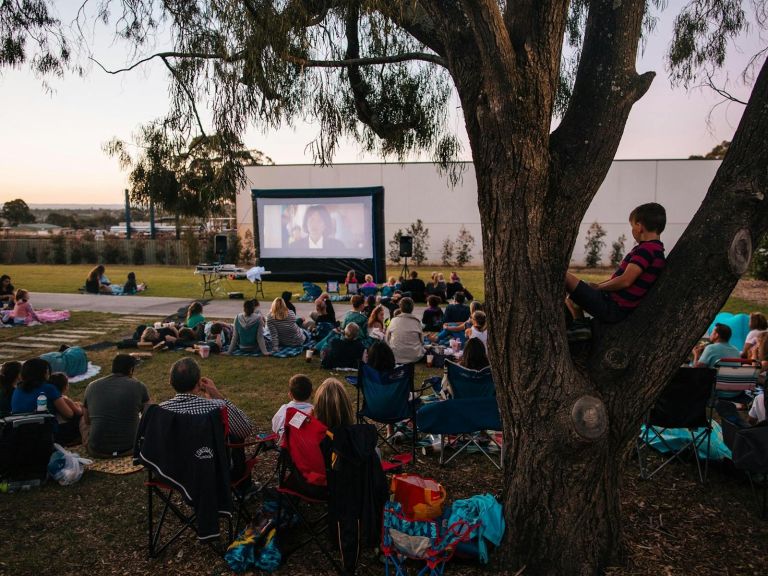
{"points": [[48, 316], [284, 352]]}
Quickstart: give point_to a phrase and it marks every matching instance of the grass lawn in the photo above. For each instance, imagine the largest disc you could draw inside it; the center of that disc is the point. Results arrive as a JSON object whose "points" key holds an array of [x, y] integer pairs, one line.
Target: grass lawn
{"points": [[98, 525], [179, 281]]}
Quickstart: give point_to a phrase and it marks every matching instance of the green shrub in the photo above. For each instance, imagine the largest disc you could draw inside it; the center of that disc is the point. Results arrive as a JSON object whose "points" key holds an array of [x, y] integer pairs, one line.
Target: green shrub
{"points": [[758, 268], [138, 252], [617, 251], [59, 245], [594, 245], [446, 254], [112, 251], [394, 247], [464, 244]]}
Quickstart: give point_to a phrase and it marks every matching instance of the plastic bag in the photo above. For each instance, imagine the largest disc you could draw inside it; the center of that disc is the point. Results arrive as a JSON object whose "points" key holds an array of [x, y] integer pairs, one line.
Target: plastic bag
{"points": [[66, 467]]}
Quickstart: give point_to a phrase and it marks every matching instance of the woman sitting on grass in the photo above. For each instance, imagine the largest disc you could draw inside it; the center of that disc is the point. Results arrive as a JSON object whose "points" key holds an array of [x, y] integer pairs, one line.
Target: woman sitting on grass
{"points": [[10, 376], [432, 317], [388, 290], [7, 296], [69, 428], [479, 328], [376, 327], [94, 284], [282, 326], [35, 375], [131, 287], [248, 334], [758, 325], [369, 283], [195, 319]]}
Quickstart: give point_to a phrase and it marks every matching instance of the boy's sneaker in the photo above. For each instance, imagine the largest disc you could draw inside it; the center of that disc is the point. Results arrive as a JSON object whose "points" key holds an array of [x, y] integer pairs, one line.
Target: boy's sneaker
{"points": [[579, 333]]}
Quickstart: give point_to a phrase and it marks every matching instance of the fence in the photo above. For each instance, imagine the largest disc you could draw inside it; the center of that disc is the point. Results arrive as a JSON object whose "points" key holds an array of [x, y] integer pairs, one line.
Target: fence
{"points": [[61, 250]]}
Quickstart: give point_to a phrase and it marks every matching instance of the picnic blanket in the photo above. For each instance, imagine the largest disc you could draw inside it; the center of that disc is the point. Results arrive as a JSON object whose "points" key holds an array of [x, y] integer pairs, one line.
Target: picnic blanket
{"points": [[284, 352], [92, 371], [46, 316], [118, 466]]}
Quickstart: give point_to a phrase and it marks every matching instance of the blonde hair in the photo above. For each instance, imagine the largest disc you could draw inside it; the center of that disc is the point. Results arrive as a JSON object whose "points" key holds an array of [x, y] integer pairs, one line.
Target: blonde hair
{"points": [[332, 404], [368, 278], [392, 280], [279, 310], [440, 277]]}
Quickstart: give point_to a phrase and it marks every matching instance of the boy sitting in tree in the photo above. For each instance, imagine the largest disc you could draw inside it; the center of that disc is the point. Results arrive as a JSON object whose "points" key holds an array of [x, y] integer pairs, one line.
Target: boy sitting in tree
{"points": [[613, 300]]}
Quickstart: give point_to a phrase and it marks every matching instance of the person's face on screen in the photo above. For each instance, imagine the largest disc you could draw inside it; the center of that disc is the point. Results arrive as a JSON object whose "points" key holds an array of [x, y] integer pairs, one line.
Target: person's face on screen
{"points": [[315, 226]]}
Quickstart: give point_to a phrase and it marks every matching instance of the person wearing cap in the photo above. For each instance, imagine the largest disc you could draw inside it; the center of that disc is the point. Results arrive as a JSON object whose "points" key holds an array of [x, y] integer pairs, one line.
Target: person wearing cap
{"points": [[706, 356], [111, 408]]}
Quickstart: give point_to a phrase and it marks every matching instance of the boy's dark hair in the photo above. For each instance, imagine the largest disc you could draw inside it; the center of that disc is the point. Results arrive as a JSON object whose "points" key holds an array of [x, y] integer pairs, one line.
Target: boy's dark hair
{"points": [[123, 364], [459, 297], [357, 300], [249, 306], [286, 296], [59, 380], [406, 305], [185, 374], [217, 328], [652, 215], [187, 334], [414, 274], [301, 387], [724, 331], [433, 301]]}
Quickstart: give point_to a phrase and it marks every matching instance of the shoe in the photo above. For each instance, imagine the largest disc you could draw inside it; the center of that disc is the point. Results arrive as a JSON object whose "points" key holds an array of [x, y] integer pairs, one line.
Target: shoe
{"points": [[579, 334]]}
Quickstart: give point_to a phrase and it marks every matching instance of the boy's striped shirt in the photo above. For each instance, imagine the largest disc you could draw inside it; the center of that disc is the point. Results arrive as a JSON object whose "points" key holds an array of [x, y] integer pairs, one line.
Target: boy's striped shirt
{"points": [[649, 256]]}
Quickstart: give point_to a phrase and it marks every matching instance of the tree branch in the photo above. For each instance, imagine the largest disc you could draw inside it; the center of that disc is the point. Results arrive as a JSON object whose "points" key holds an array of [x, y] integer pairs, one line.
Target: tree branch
{"points": [[164, 55], [729, 223], [710, 83], [369, 61], [605, 90], [189, 94]]}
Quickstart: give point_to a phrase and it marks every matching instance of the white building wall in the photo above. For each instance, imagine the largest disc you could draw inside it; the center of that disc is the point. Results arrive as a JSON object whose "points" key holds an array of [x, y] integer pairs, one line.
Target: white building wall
{"points": [[418, 190]]}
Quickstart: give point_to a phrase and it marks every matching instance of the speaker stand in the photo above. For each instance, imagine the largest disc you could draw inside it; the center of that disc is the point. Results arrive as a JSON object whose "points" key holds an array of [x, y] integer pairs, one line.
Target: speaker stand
{"points": [[405, 272]]}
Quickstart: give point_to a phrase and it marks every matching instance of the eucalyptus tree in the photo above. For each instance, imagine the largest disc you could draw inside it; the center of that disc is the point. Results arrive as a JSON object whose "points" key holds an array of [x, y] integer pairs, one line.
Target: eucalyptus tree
{"points": [[382, 72]]}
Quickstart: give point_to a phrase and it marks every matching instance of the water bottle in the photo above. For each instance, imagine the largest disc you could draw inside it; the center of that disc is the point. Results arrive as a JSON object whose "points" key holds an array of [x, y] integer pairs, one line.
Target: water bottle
{"points": [[42, 402]]}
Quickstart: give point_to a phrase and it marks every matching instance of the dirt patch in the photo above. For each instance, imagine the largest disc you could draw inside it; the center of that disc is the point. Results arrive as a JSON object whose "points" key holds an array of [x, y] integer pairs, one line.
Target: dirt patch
{"points": [[755, 291]]}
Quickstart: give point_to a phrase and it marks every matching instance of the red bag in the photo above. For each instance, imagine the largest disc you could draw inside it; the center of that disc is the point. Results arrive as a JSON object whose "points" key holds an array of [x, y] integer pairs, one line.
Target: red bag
{"points": [[421, 498]]}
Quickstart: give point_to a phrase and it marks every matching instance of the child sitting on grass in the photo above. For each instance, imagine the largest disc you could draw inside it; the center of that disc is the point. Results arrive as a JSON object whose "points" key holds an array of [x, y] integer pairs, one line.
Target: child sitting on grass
{"points": [[479, 328], [69, 428], [23, 313], [613, 300], [299, 391]]}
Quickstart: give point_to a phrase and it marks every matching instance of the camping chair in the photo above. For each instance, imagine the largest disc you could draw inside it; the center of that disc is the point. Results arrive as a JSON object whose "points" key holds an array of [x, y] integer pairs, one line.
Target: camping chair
{"points": [[682, 405], [465, 420], [332, 287], [26, 445], [736, 377], [749, 448], [352, 289], [187, 460], [387, 398], [301, 470]]}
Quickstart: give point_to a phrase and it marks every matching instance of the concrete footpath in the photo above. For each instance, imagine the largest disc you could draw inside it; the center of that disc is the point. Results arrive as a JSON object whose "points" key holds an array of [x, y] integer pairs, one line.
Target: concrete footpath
{"points": [[156, 306]]}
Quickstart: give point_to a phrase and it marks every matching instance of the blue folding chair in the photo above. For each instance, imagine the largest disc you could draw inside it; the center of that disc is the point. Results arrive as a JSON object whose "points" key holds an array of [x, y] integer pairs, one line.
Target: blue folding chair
{"points": [[468, 383], [387, 398], [463, 418]]}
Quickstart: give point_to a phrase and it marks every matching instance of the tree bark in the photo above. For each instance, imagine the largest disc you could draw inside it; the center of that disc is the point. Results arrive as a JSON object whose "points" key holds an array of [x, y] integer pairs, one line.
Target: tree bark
{"points": [[568, 426]]}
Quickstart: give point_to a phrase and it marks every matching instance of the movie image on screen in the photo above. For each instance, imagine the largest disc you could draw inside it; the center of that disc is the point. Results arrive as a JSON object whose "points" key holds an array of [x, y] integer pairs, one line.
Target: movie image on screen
{"points": [[315, 227]]}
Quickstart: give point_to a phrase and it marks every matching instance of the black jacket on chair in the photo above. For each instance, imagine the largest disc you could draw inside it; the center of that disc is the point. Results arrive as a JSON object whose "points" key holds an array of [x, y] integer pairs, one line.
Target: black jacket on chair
{"points": [[188, 452]]}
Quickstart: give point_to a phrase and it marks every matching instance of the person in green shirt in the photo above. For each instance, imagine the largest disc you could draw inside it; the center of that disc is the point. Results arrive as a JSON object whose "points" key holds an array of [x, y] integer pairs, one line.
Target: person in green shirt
{"points": [[194, 315]]}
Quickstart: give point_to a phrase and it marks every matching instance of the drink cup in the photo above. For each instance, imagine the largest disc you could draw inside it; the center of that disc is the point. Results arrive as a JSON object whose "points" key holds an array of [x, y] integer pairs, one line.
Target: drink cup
{"points": [[204, 350], [308, 357], [430, 360]]}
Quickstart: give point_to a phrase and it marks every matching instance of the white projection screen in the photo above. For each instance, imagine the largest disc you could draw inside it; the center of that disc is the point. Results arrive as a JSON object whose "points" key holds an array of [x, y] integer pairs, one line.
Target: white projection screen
{"points": [[315, 227], [320, 234]]}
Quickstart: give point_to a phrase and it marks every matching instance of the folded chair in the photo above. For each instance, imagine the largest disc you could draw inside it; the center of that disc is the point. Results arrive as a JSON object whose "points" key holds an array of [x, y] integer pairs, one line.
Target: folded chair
{"points": [[735, 378], [302, 477], [187, 460], [682, 405], [387, 398]]}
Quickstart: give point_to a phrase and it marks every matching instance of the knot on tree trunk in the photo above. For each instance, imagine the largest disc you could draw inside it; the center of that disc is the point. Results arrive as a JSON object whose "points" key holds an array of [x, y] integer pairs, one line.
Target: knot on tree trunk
{"points": [[616, 359], [740, 251], [589, 418]]}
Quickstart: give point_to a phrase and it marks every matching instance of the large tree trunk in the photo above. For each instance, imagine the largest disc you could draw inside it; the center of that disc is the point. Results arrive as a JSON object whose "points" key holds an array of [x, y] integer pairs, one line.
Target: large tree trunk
{"points": [[568, 424]]}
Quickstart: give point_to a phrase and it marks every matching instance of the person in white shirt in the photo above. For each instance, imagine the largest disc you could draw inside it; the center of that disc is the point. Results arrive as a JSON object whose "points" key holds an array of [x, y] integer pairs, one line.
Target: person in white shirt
{"points": [[299, 391], [758, 324]]}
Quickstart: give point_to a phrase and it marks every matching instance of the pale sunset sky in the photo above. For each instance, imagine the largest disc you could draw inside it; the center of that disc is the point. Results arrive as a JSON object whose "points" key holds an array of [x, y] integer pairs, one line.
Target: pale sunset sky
{"points": [[51, 145]]}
